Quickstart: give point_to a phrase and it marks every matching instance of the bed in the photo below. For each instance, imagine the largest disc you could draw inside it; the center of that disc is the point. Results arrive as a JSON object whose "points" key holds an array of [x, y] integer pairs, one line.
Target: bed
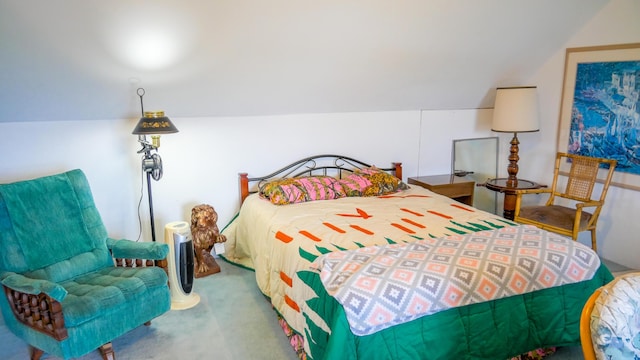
{"points": [[358, 265]]}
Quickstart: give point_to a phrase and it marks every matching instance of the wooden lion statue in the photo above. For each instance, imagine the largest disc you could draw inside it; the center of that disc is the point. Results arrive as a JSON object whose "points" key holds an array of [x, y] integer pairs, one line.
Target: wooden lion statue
{"points": [[205, 233]]}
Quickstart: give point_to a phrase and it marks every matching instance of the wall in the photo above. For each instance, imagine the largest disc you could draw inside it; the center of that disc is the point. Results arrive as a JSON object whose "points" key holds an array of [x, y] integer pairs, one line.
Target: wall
{"points": [[202, 161], [618, 228]]}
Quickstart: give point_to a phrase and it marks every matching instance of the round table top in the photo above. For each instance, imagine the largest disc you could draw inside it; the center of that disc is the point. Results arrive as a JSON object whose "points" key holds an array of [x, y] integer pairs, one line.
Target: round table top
{"points": [[501, 185]]}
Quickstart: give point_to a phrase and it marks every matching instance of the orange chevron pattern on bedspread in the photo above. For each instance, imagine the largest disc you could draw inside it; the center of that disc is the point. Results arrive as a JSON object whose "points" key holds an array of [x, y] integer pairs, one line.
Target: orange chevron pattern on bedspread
{"points": [[277, 241]]}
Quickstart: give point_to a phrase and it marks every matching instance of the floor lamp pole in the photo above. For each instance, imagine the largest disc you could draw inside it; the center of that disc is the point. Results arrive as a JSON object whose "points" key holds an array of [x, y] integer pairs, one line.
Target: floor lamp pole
{"points": [[153, 226], [152, 165]]}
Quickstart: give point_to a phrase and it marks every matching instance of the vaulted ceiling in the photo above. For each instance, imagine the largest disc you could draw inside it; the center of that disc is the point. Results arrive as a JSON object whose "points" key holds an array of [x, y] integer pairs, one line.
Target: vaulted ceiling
{"points": [[84, 59]]}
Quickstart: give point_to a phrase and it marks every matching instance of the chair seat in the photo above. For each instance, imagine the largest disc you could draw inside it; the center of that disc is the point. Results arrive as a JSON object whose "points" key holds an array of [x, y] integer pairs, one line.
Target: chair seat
{"points": [[101, 292], [554, 215]]}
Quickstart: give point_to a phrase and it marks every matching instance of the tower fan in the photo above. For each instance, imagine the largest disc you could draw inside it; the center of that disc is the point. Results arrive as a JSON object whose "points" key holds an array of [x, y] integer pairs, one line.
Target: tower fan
{"points": [[177, 235]]}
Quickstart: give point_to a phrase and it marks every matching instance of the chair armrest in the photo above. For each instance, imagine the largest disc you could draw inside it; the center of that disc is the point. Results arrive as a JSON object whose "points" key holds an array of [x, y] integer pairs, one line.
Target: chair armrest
{"points": [[581, 205], [127, 249], [31, 286], [533, 191], [36, 303]]}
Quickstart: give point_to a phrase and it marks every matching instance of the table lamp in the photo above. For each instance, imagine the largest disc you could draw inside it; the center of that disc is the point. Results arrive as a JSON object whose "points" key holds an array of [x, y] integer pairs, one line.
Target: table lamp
{"points": [[516, 111]]}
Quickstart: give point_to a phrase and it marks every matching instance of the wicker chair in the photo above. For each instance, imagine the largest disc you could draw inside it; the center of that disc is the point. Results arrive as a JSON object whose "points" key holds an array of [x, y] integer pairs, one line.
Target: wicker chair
{"points": [[558, 215]]}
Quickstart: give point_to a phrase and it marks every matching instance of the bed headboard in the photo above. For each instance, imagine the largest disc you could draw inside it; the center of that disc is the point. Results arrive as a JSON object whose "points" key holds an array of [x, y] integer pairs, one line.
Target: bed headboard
{"points": [[332, 165]]}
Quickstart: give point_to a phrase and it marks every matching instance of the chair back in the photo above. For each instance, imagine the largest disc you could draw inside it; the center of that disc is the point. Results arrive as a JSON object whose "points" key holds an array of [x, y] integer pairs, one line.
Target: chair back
{"points": [[582, 176], [50, 228]]}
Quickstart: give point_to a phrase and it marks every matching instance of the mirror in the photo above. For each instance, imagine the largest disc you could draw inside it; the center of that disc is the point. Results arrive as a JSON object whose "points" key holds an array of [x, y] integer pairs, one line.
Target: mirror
{"points": [[477, 159]]}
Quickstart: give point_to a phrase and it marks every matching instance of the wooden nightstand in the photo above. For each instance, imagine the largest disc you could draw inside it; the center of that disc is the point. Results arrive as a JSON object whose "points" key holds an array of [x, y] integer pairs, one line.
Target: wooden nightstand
{"points": [[459, 188]]}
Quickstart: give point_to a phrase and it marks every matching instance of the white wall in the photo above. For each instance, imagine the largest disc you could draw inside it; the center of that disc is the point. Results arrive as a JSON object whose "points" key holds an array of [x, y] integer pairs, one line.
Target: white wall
{"points": [[202, 161]]}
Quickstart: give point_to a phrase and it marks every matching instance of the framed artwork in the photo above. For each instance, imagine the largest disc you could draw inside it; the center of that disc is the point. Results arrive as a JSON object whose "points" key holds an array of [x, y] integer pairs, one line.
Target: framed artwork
{"points": [[600, 108]]}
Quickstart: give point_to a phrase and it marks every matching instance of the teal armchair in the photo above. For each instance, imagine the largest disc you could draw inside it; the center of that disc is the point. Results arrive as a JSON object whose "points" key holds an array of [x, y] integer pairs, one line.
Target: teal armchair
{"points": [[69, 288]]}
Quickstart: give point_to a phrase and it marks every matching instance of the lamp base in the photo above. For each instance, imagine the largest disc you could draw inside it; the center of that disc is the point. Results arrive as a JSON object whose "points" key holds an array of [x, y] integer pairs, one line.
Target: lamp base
{"points": [[512, 169]]}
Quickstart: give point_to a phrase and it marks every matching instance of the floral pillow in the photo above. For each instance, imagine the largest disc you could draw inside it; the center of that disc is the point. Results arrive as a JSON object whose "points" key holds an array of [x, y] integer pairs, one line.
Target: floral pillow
{"points": [[381, 182], [355, 184], [615, 320], [296, 190]]}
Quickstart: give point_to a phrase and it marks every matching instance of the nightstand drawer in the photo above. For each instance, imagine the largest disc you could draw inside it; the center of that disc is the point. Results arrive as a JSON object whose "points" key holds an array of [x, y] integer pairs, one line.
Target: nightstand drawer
{"points": [[455, 190], [455, 187]]}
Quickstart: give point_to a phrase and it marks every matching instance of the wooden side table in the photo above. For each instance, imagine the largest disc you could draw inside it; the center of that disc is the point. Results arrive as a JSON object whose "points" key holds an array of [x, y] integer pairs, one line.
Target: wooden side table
{"points": [[500, 185], [459, 188]]}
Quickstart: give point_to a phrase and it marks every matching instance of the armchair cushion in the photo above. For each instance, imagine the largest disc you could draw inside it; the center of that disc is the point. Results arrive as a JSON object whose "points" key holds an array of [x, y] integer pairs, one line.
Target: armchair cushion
{"points": [[75, 266], [100, 293]]}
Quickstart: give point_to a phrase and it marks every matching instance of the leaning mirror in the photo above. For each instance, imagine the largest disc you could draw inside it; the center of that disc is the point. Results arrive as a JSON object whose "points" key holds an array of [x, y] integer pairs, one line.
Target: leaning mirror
{"points": [[477, 159]]}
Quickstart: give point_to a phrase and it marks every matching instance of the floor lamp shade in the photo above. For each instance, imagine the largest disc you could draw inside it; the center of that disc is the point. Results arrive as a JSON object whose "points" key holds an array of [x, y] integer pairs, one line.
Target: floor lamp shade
{"points": [[516, 110], [154, 122]]}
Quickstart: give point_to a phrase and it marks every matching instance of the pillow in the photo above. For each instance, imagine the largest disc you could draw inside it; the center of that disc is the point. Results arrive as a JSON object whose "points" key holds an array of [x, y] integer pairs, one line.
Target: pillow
{"points": [[615, 320], [296, 190], [355, 184], [381, 182]]}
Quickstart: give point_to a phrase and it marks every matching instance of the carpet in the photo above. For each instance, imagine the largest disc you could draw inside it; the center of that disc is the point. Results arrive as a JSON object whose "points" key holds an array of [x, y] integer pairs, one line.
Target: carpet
{"points": [[232, 321]]}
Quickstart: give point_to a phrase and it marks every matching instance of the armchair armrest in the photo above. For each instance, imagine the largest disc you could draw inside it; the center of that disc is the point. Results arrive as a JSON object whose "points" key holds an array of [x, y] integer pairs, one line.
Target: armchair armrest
{"points": [[127, 249], [127, 253], [36, 303], [31, 286]]}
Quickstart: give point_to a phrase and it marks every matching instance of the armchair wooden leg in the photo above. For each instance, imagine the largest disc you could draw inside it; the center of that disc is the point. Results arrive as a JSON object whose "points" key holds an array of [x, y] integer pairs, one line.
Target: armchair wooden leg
{"points": [[35, 353], [107, 352], [594, 244]]}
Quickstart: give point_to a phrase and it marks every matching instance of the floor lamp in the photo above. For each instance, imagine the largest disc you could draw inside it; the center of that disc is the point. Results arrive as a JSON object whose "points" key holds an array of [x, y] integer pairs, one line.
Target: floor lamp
{"points": [[152, 123]]}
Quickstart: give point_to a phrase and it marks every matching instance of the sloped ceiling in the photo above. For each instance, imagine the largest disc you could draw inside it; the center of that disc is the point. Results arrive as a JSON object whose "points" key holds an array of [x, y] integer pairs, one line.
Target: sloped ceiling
{"points": [[84, 59]]}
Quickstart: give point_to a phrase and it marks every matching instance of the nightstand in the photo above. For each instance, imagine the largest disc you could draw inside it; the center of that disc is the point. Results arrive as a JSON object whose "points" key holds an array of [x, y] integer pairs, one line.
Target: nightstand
{"points": [[459, 188]]}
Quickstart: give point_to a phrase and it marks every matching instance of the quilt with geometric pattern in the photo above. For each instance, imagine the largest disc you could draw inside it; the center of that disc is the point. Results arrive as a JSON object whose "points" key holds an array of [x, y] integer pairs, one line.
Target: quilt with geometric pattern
{"points": [[382, 286]]}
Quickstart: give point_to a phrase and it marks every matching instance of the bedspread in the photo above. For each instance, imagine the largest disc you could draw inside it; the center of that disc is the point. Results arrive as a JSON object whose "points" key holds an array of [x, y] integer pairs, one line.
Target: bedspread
{"points": [[281, 242], [381, 286], [278, 241]]}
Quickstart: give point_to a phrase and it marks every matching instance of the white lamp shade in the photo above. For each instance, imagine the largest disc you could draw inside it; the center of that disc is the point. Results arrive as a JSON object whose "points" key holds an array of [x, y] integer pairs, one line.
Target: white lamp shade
{"points": [[516, 110]]}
